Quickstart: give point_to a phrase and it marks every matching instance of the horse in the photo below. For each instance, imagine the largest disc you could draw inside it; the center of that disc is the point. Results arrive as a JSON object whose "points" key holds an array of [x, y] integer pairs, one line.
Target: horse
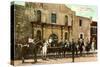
{"points": [[66, 47], [30, 49], [81, 45], [87, 48], [44, 49]]}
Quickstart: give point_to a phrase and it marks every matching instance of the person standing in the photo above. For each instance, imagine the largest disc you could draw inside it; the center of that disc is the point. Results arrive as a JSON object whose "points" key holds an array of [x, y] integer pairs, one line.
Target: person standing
{"points": [[81, 46]]}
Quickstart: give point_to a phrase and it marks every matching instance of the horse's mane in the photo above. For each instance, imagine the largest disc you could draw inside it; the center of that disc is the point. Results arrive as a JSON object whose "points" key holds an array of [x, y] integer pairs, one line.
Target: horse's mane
{"points": [[38, 43]]}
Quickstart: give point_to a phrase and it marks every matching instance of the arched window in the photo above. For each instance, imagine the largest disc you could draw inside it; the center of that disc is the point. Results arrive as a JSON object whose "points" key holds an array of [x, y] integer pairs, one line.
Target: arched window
{"points": [[81, 36], [38, 15]]}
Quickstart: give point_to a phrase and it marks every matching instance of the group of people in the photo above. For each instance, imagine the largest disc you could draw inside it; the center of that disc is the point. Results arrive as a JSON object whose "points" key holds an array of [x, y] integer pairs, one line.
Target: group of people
{"points": [[76, 47], [79, 47]]}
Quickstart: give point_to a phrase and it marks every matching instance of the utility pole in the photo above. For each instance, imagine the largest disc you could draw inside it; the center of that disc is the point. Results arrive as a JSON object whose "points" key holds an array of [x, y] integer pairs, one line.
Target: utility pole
{"points": [[73, 50]]}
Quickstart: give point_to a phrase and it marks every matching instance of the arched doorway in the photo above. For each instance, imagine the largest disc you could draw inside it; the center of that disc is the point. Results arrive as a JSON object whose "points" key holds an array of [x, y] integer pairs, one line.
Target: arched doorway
{"points": [[38, 35], [54, 38]]}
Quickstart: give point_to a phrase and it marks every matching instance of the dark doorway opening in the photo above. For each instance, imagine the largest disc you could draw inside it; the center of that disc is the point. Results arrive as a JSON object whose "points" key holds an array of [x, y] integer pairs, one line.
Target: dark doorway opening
{"points": [[54, 38]]}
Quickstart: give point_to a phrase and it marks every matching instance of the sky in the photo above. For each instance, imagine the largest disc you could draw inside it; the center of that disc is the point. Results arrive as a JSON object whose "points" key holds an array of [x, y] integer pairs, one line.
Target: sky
{"points": [[20, 2], [89, 11], [85, 10]]}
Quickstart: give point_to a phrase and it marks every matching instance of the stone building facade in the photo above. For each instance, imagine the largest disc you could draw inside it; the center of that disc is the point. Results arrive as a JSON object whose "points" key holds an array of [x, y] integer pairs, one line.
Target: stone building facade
{"points": [[82, 28], [45, 20]]}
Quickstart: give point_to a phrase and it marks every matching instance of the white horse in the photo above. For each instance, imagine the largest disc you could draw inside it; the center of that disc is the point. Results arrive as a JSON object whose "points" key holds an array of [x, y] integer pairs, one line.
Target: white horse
{"points": [[44, 49]]}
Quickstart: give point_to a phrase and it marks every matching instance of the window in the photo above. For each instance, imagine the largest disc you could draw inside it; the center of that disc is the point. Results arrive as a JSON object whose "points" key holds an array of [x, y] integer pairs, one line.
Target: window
{"points": [[38, 15], [80, 22], [93, 30], [66, 20], [53, 18], [81, 36]]}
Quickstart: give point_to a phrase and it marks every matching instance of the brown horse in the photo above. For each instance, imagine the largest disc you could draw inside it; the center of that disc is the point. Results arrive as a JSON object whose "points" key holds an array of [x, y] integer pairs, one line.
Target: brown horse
{"points": [[31, 50]]}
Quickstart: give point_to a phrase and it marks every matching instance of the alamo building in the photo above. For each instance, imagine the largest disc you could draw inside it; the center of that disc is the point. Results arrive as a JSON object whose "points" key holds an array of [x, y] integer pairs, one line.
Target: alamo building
{"points": [[45, 21]]}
